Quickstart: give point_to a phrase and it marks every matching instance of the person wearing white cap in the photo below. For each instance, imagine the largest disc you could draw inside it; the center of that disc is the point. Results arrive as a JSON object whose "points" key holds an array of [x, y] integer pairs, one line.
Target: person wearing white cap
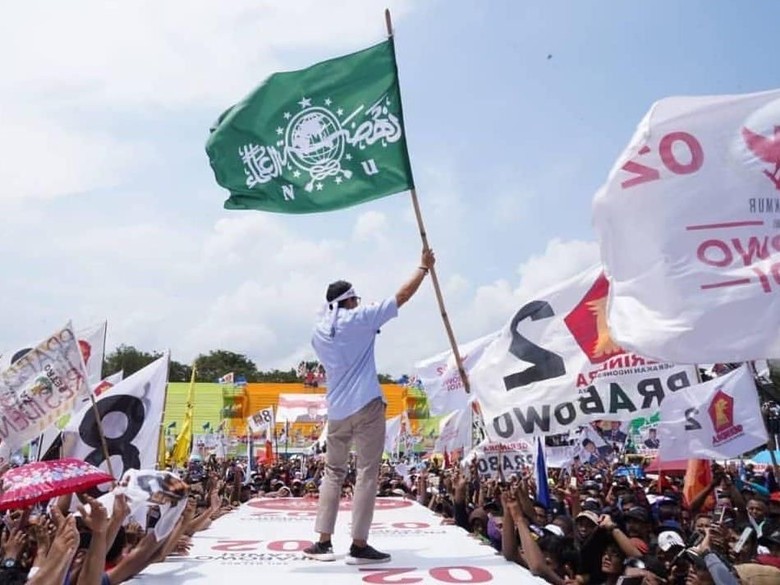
{"points": [[344, 342]]}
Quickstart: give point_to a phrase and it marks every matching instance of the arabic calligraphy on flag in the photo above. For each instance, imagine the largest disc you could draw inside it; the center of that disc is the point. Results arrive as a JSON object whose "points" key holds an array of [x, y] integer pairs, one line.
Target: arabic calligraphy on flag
{"points": [[323, 138]]}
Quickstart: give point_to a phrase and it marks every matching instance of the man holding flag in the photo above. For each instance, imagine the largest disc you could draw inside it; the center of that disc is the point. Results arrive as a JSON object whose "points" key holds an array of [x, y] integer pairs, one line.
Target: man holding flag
{"points": [[320, 139], [344, 342]]}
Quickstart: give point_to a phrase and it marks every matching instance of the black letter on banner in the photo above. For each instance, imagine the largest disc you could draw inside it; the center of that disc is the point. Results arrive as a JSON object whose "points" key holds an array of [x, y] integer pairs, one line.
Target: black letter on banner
{"points": [[133, 410], [691, 424], [533, 420], [678, 381], [561, 413], [590, 402], [650, 389], [509, 427], [618, 400], [546, 364]]}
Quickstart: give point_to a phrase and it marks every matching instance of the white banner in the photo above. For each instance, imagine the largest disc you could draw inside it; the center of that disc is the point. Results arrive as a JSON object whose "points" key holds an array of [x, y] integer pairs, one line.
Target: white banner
{"points": [[261, 420], [688, 224], [302, 408], [718, 419], [109, 382], [131, 413], [40, 387], [454, 432], [555, 367], [396, 431], [495, 459], [91, 343], [441, 379]]}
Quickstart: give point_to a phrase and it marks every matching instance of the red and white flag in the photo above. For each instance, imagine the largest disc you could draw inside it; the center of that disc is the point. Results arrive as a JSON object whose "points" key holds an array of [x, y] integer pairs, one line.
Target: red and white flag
{"points": [[718, 419], [554, 367], [688, 223]]}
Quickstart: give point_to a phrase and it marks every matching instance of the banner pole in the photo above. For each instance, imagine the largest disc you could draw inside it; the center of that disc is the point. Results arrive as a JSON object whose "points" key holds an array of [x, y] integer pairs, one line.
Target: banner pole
{"points": [[434, 277], [162, 446]]}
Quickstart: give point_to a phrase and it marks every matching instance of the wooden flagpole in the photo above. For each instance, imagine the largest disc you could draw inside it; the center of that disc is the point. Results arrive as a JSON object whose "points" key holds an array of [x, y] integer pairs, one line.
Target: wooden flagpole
{"points": [[434, 277]]}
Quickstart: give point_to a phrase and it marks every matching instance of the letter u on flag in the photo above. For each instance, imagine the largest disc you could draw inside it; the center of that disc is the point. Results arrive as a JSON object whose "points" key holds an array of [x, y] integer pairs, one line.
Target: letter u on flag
{"points": [[322, 138], [687, 222]]}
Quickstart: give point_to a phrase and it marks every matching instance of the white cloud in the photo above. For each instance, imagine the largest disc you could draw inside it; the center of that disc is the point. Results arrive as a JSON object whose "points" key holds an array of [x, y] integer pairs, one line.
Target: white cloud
{"points": [[45, 157], [165, 54], [74, 69]]}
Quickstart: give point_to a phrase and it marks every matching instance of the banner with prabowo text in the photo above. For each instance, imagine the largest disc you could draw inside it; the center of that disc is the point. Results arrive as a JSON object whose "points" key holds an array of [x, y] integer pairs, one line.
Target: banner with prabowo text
{"points": [[131, 413], [41, 386], [687, 222], [718, 419], [554, 367], [500, 459]]}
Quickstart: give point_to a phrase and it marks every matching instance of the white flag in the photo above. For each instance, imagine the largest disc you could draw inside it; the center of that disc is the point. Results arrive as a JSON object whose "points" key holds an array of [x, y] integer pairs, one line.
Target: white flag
{"points": [[109, 382], [91, 343], [262, 419], [131, 413], [395, 429], [493, 459], [688, 224], [454, 432], [40, 387], [554, 367], [718, 419], [441, 379]]}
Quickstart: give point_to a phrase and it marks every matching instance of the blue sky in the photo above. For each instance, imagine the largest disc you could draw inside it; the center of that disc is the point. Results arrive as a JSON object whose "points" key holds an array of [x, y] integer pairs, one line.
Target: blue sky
{"points": [[515, 112]]}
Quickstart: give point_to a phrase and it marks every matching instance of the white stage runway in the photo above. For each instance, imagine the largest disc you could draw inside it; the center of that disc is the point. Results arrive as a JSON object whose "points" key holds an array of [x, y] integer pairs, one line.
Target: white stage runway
{"points": [[263, 538]]}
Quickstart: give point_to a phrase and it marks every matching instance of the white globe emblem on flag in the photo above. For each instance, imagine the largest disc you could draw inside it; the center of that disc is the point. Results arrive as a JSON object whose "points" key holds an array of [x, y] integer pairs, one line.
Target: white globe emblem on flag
{"points": [[315, 142]]}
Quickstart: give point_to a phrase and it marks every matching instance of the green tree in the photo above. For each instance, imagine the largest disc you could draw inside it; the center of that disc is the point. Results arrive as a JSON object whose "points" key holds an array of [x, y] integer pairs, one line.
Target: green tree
{"points": [[128, 359], [386, 379], [279, 376], [220, 362], [179, 372]]}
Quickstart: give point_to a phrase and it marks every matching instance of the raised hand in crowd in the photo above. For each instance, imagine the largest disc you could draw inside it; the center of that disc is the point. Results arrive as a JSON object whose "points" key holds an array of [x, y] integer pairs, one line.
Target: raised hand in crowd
{"points": [[55, 563]]}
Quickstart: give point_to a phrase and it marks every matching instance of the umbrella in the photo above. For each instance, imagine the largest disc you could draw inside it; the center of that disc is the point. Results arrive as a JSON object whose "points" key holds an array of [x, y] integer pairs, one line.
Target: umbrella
{"points": [[765, 457], [44, 480]]}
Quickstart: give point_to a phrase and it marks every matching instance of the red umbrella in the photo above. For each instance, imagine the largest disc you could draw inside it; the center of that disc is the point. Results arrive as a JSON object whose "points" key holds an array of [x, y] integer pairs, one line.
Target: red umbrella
{"points": [[44, 480]]}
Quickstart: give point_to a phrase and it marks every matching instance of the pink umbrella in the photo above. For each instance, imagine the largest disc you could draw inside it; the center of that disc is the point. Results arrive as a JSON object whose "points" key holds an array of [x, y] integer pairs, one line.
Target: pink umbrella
{"points": [[44, 480]]}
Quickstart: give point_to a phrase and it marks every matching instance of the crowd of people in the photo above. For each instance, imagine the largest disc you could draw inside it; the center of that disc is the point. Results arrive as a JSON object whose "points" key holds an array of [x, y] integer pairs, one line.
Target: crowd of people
{"points": [[78, 540], [599, 525]]}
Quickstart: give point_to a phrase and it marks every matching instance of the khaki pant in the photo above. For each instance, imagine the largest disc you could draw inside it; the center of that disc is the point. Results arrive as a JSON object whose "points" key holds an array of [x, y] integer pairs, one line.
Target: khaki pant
{"points": [[367, 428]]}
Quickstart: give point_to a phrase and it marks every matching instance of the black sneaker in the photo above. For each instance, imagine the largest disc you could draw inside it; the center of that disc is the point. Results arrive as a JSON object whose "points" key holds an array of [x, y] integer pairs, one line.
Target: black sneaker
{"points": [[320, 552], [366, 555]]}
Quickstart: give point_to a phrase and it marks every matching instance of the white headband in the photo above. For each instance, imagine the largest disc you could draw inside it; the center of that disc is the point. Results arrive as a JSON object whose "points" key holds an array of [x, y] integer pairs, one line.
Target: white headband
{"points": [[334, 307]]}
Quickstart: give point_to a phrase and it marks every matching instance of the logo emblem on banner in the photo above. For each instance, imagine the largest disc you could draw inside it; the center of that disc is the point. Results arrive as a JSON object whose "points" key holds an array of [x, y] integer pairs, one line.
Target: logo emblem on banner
{"points": [[587, 322], [721, 411], [765, 148]]}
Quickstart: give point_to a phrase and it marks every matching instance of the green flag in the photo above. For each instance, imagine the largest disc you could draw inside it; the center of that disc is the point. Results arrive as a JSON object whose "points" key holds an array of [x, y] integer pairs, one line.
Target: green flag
{"points": [[319, 139]]}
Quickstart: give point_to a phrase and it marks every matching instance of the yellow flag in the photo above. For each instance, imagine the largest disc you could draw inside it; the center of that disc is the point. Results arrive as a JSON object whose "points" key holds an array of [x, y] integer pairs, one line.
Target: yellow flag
{"points": [[181, 450]]}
